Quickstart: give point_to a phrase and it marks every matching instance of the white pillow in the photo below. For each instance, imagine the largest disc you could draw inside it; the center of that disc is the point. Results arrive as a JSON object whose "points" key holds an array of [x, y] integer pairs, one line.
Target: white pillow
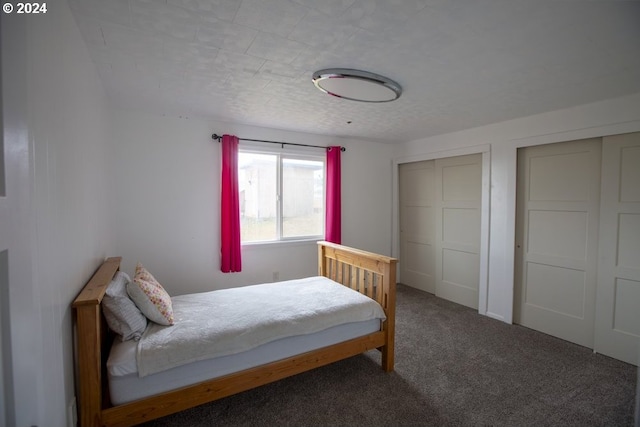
{"points": [[150, 297], [121, 313]]}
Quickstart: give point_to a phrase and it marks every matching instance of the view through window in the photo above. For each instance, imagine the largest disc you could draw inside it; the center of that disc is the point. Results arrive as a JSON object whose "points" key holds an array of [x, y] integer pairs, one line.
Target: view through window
{"points": [[281, 196]]}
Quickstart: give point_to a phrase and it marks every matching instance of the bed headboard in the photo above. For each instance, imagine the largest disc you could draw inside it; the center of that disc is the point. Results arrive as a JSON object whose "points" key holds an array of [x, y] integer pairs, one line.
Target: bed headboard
{"points": [[92, 344]]}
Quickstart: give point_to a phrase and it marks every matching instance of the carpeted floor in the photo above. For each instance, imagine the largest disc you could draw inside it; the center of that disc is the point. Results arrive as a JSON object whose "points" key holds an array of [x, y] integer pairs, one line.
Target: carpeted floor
{"points": [[453, 368]]}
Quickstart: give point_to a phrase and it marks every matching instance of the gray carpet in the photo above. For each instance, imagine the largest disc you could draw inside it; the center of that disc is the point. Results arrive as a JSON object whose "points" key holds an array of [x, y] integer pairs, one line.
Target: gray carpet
{"points": [[453, 368]]}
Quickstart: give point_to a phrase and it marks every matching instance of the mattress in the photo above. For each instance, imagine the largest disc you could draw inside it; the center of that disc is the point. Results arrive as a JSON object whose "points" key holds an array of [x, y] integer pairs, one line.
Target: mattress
{"points": [[229, 321], [125, 385]]}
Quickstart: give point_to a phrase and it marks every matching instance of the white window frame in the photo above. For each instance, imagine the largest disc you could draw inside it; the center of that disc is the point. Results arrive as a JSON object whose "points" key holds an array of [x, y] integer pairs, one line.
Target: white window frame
{"points": [[289, 153]]}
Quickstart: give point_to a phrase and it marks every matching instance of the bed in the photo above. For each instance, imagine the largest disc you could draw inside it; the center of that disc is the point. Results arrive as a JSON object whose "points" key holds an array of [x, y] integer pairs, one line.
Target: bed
{"points": [[370, 274]]}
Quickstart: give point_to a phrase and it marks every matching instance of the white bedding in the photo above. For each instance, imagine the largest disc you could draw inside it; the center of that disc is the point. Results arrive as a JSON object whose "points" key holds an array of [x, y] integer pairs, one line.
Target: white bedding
{"points": [[230, 321]]}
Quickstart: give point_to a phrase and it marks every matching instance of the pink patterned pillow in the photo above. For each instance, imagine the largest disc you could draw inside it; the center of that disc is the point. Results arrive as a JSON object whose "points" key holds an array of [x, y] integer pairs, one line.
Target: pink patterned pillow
{"points": [[150, 297]]}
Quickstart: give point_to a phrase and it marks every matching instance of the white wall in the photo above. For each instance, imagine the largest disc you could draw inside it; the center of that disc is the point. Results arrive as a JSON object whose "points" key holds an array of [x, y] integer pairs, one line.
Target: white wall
{"points": [[57, 117], [166, 208], [610, 117]]}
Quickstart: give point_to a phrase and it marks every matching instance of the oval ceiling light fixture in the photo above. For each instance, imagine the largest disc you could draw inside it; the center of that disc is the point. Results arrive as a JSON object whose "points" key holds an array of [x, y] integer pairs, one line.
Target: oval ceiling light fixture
{"points": [[356, 85]]}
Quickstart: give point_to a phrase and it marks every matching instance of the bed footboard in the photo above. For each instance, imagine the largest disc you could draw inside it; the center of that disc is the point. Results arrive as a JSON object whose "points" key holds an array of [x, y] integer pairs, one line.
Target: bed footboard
{"points": [[368, 273]]}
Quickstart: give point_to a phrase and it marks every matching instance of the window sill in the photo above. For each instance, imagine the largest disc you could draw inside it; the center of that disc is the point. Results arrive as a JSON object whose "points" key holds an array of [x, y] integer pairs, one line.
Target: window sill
{"points": [[280, 243]]}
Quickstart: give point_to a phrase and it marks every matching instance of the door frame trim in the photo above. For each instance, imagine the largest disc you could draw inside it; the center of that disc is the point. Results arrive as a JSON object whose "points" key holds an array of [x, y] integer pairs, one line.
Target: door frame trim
{"points": [[485, 151]]}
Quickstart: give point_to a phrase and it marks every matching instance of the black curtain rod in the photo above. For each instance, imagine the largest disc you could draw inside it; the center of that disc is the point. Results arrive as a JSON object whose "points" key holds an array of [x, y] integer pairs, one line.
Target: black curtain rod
{"points": [[219, 138]]}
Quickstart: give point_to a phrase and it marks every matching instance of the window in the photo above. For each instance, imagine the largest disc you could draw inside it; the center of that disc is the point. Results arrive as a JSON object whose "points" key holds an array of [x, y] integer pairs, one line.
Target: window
{"points": [[281, 196]]}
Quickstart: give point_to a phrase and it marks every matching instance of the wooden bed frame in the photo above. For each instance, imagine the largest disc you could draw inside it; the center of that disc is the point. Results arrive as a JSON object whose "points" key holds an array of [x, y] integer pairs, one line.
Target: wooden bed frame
{"points": [[370, 274]]}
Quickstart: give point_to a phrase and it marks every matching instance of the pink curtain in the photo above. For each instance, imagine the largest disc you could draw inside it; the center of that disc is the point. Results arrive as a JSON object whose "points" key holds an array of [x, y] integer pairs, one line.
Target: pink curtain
{"points": [[230, 249], [333, 228]]}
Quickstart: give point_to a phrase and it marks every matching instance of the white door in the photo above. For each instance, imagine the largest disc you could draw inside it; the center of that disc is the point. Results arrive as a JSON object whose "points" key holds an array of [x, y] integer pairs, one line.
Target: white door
{"points": [[417, 224], [558, 206], [19, 378], [458, 202], [5, 343], [618, 294]]}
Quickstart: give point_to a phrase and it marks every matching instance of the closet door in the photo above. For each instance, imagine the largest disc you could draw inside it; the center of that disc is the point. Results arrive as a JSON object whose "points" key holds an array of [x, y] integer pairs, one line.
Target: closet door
{"points": [[458, 203], [558, 204], [417, 223], [618, 295]]}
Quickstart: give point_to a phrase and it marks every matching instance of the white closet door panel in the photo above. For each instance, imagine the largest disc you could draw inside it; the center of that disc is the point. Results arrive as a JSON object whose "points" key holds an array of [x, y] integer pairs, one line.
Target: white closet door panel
{"points": [[617, 331], [460, 181], [466, 277], [556, 238], [418, 261], [556, 289], [628, 240], [418, 185], [460, 284], [460, 226], [417, 225], [560, 177], [629, 174], [545, 226], [625, 317], [457, 243]]}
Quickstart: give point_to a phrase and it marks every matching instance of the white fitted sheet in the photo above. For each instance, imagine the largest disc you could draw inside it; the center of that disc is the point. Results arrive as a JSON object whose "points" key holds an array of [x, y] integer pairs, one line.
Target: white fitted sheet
{"points": [[125, 385]]}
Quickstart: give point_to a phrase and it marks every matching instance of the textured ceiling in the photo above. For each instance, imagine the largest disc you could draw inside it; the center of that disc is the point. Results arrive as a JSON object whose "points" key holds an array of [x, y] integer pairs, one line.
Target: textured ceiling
{"points": [[461, 63]]}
